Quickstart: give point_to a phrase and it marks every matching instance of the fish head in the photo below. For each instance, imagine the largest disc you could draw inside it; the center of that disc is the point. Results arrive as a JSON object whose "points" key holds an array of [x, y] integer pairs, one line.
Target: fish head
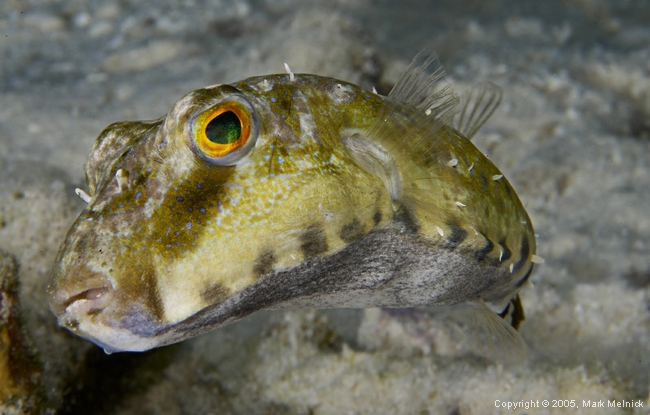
{"points": [[188, 210]]}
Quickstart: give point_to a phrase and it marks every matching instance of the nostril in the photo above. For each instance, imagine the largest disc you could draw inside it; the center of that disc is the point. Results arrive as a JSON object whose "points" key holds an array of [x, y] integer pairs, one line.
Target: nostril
{"points": [[95, 294]]}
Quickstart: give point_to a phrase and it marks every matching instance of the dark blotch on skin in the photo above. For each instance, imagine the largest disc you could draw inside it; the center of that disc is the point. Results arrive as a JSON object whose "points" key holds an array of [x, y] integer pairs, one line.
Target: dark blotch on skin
{"points": [[264, 263], [175, 245], [457, 236], [484, 180], [149, 295], [405, 218], [215, 293], [147, 310], [376, 218], [483, 252], [313, 241], [506, 251], [352, 231], [524, 251]]}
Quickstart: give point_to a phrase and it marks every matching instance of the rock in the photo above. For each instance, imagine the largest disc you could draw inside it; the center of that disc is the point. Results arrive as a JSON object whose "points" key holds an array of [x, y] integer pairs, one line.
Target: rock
{"points": [[20, 370]]}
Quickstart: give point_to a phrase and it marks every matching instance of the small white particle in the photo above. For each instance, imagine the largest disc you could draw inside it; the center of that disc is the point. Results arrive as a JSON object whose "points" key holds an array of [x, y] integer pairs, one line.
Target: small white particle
{"points": [[501, 255], [82, 195], [459, 204], [453, 162], [374, 91], [265, 85], [471, 167], [537, 259], [475, 232], [440, 231], [512, 266], [286, 67], [497, 176], [428, 112]]}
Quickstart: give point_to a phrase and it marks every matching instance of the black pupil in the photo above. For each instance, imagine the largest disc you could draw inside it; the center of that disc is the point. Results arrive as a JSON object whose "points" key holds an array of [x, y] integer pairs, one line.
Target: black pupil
{"points": [[224, 128]]}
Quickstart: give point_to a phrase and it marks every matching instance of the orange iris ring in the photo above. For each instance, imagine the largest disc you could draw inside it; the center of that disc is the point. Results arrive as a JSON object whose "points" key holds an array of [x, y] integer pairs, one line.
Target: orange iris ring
{"points": [[216, 150]]}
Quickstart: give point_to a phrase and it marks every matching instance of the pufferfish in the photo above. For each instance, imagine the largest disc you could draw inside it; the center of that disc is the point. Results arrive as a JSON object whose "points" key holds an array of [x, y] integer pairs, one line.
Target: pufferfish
{"points": [[294, 191]]}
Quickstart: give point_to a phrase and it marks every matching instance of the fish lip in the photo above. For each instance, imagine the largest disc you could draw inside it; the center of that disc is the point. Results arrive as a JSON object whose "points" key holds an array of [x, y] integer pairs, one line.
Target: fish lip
{"points": [[87, 308], [91, 296]]}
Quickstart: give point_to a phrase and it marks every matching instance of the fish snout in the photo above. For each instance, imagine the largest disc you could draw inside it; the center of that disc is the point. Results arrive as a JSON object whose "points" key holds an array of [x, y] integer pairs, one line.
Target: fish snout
{"points": [[91, 305], [79, 301]]}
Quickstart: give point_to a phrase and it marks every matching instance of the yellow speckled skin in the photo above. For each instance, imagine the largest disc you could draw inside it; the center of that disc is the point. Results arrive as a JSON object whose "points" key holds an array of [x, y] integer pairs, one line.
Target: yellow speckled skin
{"points": [[183, 245]]}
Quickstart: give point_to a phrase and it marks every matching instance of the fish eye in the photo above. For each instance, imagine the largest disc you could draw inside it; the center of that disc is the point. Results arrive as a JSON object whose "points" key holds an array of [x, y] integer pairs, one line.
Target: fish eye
{"points": [[225, 133]]}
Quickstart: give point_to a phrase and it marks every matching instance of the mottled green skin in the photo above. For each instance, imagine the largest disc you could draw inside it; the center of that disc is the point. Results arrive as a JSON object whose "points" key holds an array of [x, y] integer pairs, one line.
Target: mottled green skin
{"points": [[182, 235]]}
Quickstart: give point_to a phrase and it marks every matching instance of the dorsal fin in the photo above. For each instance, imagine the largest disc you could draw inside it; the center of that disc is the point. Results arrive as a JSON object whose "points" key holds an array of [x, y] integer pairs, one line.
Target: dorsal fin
{"points": [[479, 105], [423, 85]]}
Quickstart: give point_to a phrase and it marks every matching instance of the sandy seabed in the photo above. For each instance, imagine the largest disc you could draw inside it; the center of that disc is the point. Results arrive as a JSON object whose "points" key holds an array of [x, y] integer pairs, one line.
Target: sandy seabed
{"points": [[572, 136]]}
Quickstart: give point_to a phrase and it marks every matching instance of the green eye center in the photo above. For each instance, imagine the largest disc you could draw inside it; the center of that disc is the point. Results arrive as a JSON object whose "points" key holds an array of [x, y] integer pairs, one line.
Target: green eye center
{"points": [[224, 128]]}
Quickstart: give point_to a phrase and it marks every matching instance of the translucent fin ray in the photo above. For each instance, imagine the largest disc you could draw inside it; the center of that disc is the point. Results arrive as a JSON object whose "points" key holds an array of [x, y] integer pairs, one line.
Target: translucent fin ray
{"points": [[404, 141], [496, 340], [481, 102], [423, 85]]}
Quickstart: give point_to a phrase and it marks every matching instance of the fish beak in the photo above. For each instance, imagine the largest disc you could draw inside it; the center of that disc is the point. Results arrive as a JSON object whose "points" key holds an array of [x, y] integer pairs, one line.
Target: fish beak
{"points": [[91, 305], [78, 302], [86, 307]]}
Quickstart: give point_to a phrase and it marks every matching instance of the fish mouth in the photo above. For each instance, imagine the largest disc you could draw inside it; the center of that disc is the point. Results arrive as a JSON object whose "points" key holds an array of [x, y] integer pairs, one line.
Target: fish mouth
{"points": [[87, 308], [73, 304]]}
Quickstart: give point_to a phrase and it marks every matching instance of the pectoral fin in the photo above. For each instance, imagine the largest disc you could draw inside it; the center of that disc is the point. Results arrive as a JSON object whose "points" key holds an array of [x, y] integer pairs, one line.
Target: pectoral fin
{"points": [[494, 338]]}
